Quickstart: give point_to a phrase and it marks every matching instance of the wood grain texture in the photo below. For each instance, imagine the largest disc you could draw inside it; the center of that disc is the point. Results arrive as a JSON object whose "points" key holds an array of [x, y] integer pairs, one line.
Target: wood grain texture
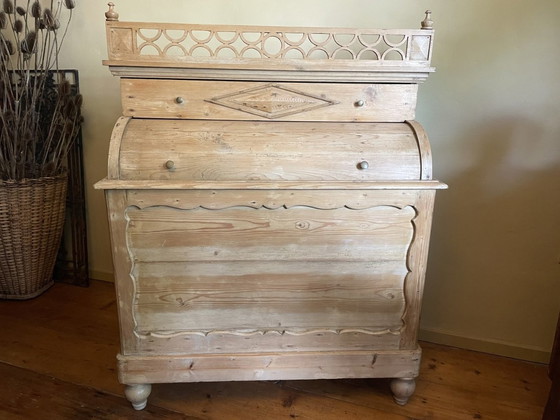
{"points": [[272, 151], [273, 198], [424, 149], [113, 164], [273, 366], [222, 100], [417, 260], [116, 205], [257, 280], [203, 264]]}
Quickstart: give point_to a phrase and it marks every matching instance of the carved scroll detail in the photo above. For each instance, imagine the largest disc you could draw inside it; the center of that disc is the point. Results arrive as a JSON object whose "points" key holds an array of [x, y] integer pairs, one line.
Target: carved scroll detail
{"points": [[267, 206], [263, 332]]}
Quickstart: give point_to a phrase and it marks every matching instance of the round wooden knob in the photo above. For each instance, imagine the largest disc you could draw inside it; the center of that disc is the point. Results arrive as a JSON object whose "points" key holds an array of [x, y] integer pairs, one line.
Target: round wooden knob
{"points": [[180, 100], [359, 103], [170, 164], [363, 165]]}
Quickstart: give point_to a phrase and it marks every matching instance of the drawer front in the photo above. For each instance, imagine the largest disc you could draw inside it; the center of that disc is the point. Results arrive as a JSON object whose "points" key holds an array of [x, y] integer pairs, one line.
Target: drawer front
{"points": [[222, 100], [243, 151], [249, 270]]}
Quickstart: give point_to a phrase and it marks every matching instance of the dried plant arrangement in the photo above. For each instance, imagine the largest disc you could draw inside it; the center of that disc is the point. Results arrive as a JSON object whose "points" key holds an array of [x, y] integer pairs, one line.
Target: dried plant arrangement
{"points": [[39, 115]]}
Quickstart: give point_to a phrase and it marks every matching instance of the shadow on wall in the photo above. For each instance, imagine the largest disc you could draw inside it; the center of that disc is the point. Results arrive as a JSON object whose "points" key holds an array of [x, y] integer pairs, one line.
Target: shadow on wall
{"points": [[494, 268]]}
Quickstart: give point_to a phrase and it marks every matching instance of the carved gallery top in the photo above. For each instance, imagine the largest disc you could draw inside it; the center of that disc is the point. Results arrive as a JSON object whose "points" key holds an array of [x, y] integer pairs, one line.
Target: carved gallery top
{"points": [[328, 54]]}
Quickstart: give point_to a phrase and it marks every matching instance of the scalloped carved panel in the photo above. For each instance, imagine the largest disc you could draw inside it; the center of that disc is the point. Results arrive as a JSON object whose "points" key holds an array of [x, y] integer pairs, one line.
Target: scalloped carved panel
{"points": [[271, 101], [180, 42], [245, 271]]}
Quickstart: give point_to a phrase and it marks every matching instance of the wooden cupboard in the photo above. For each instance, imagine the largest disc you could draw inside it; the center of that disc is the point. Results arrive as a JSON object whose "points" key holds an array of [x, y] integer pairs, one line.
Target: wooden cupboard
{"points": [[270, 198]]}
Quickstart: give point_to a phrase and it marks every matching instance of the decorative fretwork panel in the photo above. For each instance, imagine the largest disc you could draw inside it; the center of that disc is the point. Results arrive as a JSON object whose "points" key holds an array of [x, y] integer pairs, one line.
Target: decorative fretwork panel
{"points": [[188, 43]]}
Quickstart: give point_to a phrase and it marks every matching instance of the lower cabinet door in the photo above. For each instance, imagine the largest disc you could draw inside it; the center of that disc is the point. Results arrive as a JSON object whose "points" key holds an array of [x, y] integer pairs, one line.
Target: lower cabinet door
{"points": [[291, 277]]}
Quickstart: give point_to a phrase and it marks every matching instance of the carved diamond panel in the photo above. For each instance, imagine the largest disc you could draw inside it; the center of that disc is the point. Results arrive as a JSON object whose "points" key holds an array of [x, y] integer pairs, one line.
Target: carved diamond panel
{"points": [[271, 101]]}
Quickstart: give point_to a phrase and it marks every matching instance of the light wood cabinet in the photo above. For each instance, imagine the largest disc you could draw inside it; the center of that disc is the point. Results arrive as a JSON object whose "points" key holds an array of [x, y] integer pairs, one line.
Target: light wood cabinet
{"points": [[270, 215]]}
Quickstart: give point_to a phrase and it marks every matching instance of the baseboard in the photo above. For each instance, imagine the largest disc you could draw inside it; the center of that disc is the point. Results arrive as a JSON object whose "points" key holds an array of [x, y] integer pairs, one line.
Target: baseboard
{"points": [[101, 275], [501, 348]]}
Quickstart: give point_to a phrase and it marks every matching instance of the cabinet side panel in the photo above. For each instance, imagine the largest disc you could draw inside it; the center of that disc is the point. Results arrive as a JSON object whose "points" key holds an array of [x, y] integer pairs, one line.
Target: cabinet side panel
{"points": [[418, 257], [125, 287]]}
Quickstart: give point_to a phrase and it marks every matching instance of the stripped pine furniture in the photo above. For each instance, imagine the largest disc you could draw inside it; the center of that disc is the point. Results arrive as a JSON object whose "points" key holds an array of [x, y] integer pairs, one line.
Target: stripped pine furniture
{"points": [[270, 199]]}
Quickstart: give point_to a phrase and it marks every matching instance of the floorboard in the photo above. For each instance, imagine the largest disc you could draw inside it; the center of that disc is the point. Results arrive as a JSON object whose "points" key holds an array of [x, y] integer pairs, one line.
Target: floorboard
{"points": [[57, 356]]}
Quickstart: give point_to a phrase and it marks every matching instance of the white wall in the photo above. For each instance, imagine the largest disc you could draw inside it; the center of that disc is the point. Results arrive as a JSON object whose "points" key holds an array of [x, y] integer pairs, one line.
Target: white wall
{"points": [[492, 112]]}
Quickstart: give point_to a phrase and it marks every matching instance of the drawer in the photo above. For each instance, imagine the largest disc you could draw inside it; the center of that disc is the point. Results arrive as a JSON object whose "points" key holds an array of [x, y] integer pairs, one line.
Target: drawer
{"points": [[222, 100], [252, 151]]}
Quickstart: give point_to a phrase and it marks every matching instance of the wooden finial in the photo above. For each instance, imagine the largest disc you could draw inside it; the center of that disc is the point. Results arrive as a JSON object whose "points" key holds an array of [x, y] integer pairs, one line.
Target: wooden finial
{"points": [[428, 23], [110, 14]]}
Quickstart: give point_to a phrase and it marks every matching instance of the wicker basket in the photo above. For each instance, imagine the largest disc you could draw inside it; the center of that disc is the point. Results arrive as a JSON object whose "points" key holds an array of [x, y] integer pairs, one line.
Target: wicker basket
{"points": [[31, 223]]}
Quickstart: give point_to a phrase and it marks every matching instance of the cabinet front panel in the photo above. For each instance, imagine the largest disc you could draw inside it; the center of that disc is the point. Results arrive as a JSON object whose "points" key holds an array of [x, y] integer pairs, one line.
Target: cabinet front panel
{"points": [[222, 100], [246, 270], [242, 151]]}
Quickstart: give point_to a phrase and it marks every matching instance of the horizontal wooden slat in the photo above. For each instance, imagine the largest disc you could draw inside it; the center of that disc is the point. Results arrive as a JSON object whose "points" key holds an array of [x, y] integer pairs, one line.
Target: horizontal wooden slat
{"points": [[271, 199], [267, 151], [137, 186], [258, 297], [222, 100], [361, 72], [170, 324], [168, 234], [263, 367], [226, 342]]}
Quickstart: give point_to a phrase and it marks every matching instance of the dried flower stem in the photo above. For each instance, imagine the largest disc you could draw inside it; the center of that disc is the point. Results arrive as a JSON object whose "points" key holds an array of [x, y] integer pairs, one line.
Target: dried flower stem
{"points": [[38, 123]]}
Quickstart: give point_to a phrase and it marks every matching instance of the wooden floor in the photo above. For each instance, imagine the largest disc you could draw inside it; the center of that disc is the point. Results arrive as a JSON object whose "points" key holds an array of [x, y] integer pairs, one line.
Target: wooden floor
{"points": [[57, 361]]}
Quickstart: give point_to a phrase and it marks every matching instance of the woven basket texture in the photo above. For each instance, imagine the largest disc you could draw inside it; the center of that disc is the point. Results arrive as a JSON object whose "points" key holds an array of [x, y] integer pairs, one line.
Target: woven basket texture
{"points": [[32, 215]]}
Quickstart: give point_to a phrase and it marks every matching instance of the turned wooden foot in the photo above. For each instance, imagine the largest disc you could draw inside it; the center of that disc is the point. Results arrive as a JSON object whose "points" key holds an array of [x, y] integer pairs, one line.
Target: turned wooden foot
{"points": [[138, 395], [402, 389]]}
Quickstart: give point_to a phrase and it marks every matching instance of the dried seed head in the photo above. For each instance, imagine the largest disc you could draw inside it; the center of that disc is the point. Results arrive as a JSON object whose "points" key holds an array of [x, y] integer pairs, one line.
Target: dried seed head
{"points": [[3, 20], [36, 10], [21, 11], [41, 24], [18, 26], [8, 6], [48, 17], [70, 4], [28, 44]]}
